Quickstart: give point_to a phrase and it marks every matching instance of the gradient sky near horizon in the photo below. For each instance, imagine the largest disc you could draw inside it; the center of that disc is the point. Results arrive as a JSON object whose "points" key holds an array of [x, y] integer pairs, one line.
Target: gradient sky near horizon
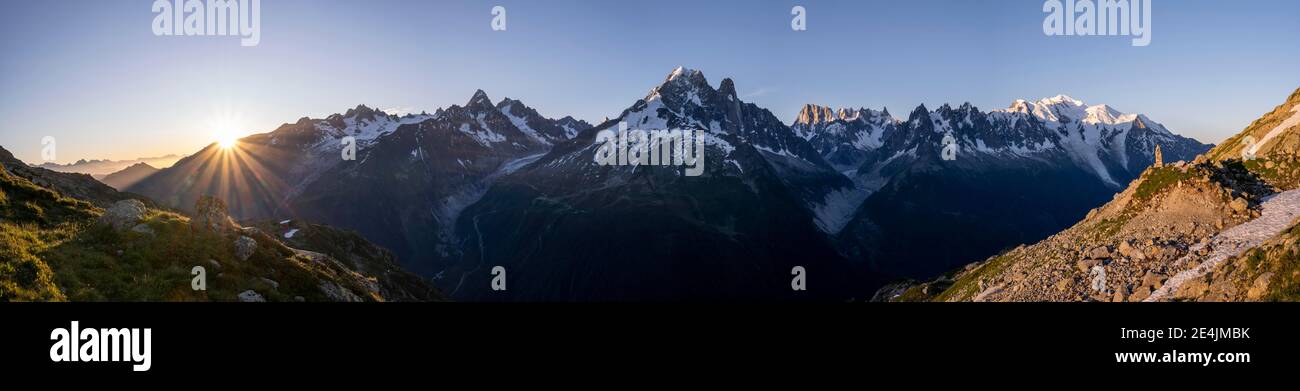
{"points": [[93, 75]]}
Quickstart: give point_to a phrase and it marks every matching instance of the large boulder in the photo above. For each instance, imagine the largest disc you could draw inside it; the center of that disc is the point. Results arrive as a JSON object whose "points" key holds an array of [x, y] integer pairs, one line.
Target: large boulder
{"points": [[1099, 252], [210, 215], [338, 293], [244, 247], [1259, 288], [251, 296], [1128, 250], [1239, 205], [124, 214], [143, 229], [1086, 265], [1153, 280]]}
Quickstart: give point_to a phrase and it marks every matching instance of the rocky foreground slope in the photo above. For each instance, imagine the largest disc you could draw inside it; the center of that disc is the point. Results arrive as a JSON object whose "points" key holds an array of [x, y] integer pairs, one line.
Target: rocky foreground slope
{"points": [[1220, 228]]}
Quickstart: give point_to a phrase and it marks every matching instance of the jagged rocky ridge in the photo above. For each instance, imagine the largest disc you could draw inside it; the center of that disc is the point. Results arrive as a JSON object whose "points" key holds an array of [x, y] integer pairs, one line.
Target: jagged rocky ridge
{"points": [[1015, 176], [469, 187], [570, 229]]}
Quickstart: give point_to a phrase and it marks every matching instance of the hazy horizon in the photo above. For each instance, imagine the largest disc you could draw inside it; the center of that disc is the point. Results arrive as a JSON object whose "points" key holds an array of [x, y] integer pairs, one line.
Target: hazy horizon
{"points": [[1210, 70]]}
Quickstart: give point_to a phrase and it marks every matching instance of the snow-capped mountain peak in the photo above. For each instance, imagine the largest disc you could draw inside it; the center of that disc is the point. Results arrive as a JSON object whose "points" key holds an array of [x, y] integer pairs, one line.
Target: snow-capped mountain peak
{"points": [[1061, 99], [1065, 109], [845, 135], [362, 123], [363, 112], [683, 82], [682, 71], [541, 129], [1112, 144]]}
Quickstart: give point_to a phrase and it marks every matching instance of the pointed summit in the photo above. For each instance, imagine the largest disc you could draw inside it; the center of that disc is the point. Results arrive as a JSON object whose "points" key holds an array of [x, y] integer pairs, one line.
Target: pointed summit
{"points": [[479, 100], [683, 83], [681, 71], [728, 88], [685, 76], [920, 112]]}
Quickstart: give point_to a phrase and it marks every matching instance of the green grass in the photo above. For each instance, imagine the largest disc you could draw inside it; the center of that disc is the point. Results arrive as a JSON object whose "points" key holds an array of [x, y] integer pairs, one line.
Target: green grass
{"points": [[158, 267], [913, 294], [1107, 228], [31, 221], [1285, 286], [52, 249], [967, 285], [23, 276], [20, 200], [1159, 179]]}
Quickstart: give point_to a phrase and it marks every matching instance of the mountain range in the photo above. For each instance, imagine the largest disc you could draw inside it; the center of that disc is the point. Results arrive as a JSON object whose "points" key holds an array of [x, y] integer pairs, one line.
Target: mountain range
{"points": [[1015, 175], [854, 196], [99, 168]]}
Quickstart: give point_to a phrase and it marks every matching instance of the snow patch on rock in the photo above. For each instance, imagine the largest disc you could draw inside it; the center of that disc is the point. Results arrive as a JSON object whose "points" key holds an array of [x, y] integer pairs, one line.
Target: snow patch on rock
{"points": [[1279, 211]]}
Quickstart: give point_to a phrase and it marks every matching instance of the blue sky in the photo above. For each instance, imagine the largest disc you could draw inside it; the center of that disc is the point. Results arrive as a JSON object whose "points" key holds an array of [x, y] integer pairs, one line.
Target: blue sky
{"points": [[93, 75]]}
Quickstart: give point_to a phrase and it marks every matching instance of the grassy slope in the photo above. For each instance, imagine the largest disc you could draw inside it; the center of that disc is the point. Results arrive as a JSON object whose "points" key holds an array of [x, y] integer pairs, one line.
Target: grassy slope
{"points": [[32, 220], [51, 249]]}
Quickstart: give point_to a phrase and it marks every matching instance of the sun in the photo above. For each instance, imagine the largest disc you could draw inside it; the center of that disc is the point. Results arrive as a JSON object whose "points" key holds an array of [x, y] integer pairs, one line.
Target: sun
{"points": [[226, 139]]}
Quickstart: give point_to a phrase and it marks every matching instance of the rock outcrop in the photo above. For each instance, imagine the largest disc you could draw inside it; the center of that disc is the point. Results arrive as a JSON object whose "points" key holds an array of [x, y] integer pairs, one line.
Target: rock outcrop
{"points": [[124, 215], [250, 296], [210, 215], [244, 247]]}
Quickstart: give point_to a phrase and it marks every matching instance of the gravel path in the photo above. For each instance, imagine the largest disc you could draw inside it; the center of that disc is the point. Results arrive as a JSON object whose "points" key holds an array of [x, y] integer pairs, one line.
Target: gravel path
{"points": [[1279, 211]]}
